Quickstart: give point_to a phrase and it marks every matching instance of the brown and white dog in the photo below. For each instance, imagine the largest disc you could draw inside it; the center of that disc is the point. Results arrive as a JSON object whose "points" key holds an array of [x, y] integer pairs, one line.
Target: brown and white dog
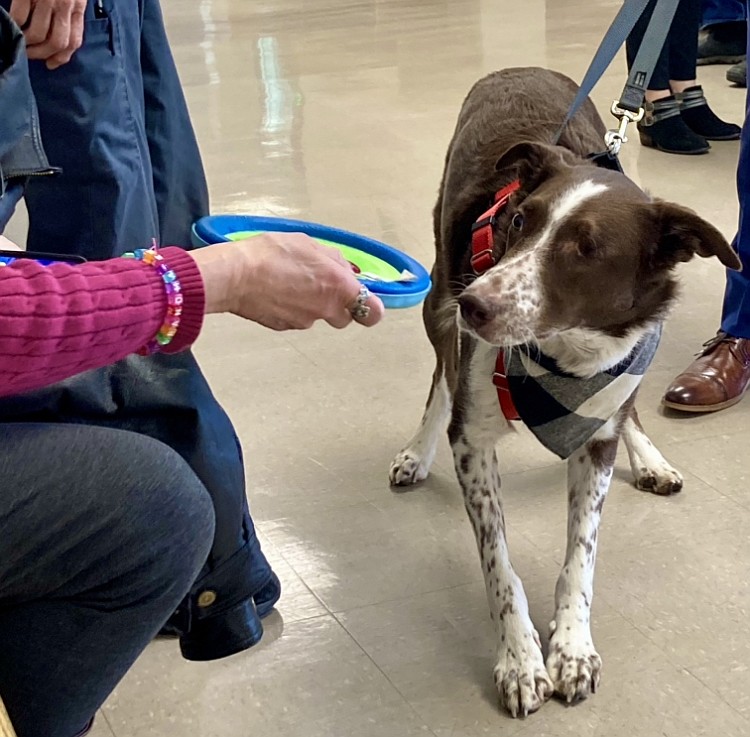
{"points": [[583, 273]]}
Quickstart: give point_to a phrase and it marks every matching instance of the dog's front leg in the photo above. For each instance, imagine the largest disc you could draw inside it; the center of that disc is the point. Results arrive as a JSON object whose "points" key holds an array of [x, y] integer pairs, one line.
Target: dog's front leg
{"points": [[520, 676], [652, 472], [573, 662]]}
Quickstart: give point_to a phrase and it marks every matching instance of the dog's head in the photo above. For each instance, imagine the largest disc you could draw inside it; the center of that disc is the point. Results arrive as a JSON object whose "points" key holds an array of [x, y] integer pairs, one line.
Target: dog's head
{"points": [[582, 247]]}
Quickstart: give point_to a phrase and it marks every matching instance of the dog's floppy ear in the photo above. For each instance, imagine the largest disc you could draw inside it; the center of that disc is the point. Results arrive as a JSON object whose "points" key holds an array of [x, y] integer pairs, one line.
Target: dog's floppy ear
{"points": [[682, 234], [533, 162]]}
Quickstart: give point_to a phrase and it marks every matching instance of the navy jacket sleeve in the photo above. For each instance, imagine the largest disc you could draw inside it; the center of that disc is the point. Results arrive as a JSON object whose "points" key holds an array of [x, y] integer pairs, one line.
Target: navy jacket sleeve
{"points": [[21, 152]]}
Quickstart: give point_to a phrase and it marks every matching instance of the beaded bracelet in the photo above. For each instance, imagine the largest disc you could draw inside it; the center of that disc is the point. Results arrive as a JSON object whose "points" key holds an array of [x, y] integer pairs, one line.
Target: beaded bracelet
{"points": [[174, 299]]}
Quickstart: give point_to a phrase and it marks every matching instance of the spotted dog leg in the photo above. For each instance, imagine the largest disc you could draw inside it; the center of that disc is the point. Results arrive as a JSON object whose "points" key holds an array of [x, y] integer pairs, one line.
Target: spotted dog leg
{"points": [[572, 662], [650, 469], [520, 675], [413, 463]]}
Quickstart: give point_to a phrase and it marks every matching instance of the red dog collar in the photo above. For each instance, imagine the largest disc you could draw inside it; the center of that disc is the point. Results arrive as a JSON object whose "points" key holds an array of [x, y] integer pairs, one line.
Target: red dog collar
{"points": [[482, 259], [483, 231]]}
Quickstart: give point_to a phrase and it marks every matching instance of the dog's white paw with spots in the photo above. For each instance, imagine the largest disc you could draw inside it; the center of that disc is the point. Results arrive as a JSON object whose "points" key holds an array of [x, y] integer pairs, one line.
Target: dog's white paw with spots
{"points": [[408, 468], [651, 471], [660, 479], [573, 664], [522, 681]]}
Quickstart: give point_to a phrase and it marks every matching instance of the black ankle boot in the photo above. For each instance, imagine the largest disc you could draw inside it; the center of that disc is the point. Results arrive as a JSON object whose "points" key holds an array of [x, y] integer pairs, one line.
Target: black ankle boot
{"points": [[664, 129], [701, 119]]}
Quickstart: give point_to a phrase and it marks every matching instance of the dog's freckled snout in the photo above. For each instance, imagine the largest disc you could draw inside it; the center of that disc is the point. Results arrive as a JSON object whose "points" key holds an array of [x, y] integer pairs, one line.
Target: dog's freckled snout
{"points": [[477, 311]]}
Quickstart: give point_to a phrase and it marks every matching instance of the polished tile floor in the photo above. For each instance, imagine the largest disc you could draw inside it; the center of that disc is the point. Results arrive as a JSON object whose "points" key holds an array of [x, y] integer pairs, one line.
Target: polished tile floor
{"points": [[340, 111]]}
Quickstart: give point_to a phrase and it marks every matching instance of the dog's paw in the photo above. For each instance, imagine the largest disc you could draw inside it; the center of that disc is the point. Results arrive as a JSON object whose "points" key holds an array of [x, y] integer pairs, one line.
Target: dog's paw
{"points": [[661, 479], [407, 469], [522, 680], [573, 665]]}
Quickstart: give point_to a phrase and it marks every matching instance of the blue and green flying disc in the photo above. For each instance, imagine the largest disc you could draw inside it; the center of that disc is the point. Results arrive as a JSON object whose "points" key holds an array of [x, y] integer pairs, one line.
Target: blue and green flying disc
{"points": [[399, 280]]}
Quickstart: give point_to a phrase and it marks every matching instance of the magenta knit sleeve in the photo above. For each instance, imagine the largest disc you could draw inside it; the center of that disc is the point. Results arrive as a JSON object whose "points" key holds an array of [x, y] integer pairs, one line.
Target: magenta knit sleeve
{"points": [[60, 320]]}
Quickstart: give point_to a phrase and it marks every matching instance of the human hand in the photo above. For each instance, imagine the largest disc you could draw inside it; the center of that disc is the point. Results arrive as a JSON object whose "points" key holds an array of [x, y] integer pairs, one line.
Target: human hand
{"points": [[53, 28], [284, 281]]}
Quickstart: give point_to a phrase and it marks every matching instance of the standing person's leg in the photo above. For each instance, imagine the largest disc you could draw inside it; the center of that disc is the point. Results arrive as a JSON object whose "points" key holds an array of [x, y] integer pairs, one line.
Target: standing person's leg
{"points": [[683, 44], [722, 37], [103, 533], [109, 198], [736, 311], [719, 377], [659, 85], [683, 50], [662, 127]]}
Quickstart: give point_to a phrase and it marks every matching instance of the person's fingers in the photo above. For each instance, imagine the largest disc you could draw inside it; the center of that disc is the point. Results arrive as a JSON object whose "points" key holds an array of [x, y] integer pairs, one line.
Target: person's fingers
{"points": [[57, 33], [38, 30], [20, 10], [284, 283], [334, 254], [57, 41], [340, 320], [377, 311], [59, 60], [374, 303], [75, 38]]}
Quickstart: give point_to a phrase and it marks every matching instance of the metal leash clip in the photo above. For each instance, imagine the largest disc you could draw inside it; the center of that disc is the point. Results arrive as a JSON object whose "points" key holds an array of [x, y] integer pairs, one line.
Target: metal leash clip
{"points": [[615, 138]]}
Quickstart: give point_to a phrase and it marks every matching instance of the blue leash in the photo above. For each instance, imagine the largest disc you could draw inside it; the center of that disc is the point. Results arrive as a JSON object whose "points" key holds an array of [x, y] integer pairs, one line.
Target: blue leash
{"points": [[629, 108]]}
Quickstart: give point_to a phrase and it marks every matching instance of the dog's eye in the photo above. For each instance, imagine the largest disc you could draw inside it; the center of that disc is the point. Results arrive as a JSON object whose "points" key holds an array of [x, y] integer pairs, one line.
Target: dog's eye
{"points": [[587, 248], [517, 221]]}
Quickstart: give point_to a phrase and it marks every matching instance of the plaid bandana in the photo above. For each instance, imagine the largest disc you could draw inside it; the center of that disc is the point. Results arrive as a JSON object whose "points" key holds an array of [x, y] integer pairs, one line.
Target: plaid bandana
{"points": [[565, 411]]}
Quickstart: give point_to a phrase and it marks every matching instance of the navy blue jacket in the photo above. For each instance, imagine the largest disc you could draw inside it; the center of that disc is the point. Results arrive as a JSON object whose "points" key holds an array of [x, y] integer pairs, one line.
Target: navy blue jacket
{"points": [[165, 397], [21, 152]]}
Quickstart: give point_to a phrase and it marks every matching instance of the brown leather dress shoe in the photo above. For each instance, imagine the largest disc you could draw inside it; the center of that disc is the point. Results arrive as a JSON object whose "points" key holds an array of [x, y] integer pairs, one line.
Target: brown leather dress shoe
{"points": [[717, 379]]}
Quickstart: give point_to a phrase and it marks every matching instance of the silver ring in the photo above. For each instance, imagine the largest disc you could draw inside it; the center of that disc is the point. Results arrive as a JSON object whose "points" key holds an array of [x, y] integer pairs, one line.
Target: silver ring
{"points": [[359, 308]]}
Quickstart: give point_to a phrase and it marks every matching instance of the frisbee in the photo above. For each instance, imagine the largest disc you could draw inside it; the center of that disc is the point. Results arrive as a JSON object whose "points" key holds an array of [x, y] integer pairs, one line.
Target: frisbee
{"points": [[399, 280]]}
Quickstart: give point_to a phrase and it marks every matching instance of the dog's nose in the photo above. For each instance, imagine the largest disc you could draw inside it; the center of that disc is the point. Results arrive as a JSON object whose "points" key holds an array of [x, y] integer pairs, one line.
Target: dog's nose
{"points": [[475, 310]]}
